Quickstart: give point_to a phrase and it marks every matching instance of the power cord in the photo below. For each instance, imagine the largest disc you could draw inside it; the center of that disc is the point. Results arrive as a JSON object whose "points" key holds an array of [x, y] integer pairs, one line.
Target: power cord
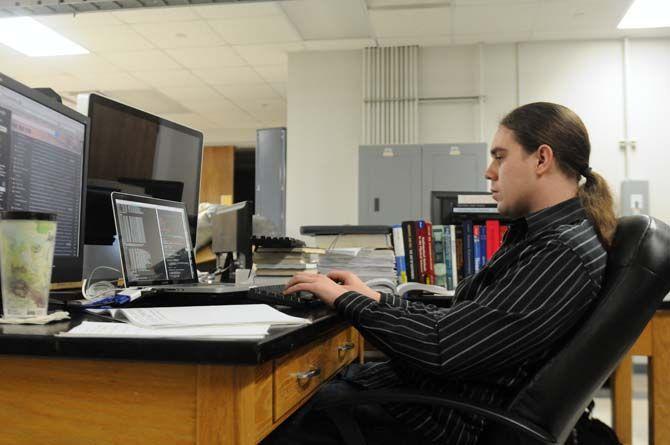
{"points": [[103, 288]]}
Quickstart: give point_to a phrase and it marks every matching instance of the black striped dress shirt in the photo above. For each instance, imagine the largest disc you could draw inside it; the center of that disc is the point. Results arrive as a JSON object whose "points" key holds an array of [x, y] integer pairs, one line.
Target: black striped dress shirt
{"points": [[503, 326]]}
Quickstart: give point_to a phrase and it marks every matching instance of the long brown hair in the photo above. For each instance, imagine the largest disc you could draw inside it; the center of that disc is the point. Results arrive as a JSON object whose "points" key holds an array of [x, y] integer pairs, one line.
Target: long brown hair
{"points": [[559, 127]]}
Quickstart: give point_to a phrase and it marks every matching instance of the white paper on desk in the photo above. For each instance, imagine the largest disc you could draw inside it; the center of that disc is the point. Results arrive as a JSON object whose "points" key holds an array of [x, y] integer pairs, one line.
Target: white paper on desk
{"points": [[102, 329], [165, 317]]}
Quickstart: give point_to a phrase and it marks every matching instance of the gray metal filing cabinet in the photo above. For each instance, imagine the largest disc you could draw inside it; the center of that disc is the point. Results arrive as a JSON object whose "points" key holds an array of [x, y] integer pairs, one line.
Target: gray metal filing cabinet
{"points": [[396, 181], [270, 196]]}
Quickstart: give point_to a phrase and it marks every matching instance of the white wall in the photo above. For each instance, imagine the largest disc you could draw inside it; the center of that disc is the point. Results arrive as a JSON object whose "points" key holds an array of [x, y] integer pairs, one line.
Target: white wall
{"points": [[324, 102], [649, 96], [324, 128], [587, 77]]}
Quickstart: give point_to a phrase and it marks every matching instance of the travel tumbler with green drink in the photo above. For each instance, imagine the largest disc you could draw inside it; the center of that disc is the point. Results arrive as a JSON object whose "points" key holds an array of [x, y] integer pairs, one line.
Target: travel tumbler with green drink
{"points": [[27, 242]]}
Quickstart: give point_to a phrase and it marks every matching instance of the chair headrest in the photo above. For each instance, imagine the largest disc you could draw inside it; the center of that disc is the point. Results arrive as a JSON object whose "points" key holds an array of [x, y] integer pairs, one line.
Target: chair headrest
{"points": [[636, 279]]}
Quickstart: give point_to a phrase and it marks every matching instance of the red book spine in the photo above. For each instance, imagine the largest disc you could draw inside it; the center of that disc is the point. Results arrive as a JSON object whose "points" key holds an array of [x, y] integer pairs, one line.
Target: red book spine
{"points": [[421, 237], [492, 237], [430, 254]]}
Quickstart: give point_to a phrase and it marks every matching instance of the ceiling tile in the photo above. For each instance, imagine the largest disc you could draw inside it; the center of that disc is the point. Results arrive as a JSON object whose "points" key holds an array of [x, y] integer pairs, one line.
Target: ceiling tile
{"points": [[410, 22], [191, 94], [168, 78], [89, 19], [156, 15], [227, 76], [259, 91], [256, 30], [493, 37], [267, 54], [419, 41], [210, 57], [338, 45], [326, 19], [224, 114], [107, 38], [493, 2], [263, 107], [473, 19], [280, 87], [410, 3], [234, 11], [6, 53], [115, 81], [59, 82], [151, 101], [213, 104], [142, 60], [580, 14], [273, 73], [179, 34], [78, 65], [233, 120], [192, 120]]}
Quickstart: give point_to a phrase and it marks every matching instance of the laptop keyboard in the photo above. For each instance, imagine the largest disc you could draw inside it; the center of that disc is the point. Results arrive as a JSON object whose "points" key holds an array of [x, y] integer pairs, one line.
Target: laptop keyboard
{"points": [[274, 295]]}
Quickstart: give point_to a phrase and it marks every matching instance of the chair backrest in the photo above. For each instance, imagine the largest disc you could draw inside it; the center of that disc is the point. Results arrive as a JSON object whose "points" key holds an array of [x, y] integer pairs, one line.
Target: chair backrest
{"points": [[637, 278]]}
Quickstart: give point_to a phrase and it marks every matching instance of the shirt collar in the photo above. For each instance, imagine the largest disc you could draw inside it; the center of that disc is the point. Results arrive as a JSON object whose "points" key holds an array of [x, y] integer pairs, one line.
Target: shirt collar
{"points": [[562, 213], [565, 212]]}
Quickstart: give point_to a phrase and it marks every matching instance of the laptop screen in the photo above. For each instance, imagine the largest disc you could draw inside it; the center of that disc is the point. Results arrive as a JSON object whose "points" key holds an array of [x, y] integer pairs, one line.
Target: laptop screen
{"points": [[154, 240]]}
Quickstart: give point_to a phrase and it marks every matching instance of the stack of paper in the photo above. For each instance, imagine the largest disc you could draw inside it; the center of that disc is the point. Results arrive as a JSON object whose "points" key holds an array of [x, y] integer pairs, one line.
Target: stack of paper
{"points": [[368, 264], [233, 321], [286, 262]]}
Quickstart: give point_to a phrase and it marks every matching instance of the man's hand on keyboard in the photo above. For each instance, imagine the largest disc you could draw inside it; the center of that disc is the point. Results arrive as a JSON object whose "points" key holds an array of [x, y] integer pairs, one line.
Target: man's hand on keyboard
{"points": [[320, 285], [352, 283]]}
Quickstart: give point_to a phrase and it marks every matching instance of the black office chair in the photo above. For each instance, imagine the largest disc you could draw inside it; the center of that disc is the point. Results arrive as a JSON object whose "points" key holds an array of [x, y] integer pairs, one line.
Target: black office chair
{"points": [[546, 410]]}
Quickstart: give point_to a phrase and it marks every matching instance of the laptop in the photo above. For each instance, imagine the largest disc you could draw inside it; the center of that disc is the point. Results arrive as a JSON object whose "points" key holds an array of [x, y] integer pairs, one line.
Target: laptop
{"points": [[155, 246]]}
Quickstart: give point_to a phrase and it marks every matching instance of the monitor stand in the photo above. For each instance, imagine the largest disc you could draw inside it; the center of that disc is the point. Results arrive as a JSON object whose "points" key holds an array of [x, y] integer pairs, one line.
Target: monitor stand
{"points": [[96, 255]]}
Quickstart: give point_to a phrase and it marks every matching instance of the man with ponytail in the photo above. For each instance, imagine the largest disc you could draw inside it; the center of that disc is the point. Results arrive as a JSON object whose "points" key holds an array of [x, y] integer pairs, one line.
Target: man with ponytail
{"points": [[507, 320]]}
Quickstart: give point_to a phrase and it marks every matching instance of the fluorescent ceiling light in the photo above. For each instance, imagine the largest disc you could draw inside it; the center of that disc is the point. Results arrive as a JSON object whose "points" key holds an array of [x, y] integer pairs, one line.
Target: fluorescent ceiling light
{"points": [[32, 38], [647, 14]]}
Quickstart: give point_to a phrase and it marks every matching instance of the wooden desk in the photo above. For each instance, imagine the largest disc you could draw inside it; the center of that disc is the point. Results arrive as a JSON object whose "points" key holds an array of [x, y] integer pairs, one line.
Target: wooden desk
{"points": [[111, 391], [655, 344]]}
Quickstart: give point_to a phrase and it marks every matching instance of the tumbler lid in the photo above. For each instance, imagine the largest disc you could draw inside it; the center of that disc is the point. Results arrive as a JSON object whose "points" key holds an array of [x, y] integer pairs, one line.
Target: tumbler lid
{"points": [[18, 214]]}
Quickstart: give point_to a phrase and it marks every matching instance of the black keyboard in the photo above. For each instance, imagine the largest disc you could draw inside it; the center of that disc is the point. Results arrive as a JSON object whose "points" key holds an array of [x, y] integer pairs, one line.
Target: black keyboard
{"points": [[274, 295], [276, 242]]}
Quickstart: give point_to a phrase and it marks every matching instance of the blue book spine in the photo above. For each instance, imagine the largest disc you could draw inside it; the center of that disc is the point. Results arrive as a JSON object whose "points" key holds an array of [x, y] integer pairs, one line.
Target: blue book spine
{"points": [[482, 243], [468, 257], [477, 248], [399, 251]]}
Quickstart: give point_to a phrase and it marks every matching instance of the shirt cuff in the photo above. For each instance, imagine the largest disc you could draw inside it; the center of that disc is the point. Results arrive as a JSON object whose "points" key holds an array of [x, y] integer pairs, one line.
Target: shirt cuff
{"points": [[390, 300], [351, 304]]}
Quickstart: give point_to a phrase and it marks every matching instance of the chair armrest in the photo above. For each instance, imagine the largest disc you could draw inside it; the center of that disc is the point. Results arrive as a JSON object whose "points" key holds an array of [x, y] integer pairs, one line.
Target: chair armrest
{"points": [[421, 398]]}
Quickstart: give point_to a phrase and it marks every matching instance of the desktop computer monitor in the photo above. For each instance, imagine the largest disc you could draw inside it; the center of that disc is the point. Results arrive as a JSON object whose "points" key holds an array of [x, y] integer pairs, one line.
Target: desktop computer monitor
{"points": [[43, 148], [132, 151], [136, 152]]}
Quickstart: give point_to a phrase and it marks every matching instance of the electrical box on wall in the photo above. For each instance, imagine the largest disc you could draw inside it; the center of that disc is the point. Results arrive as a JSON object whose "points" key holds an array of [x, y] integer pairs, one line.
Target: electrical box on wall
{"points": [[634, 197]]}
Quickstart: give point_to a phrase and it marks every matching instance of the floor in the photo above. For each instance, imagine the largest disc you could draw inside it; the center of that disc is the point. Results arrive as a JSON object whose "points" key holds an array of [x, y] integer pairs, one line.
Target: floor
{"points": [[603, 399], [603, 403]]}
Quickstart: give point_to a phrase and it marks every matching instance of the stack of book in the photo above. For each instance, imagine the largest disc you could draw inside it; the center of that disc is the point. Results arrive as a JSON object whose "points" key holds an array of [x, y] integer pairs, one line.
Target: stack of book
{"points": [[445, 254], [283, 263], [348, 236]]}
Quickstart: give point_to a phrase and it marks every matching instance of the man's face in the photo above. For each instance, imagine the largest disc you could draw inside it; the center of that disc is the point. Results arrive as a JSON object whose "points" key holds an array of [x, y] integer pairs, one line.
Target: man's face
{"points": [[512, 174]]}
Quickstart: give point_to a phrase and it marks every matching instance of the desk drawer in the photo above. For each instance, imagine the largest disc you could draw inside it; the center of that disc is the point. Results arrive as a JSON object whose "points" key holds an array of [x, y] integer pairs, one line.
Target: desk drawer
{"points": [[300, 373]]}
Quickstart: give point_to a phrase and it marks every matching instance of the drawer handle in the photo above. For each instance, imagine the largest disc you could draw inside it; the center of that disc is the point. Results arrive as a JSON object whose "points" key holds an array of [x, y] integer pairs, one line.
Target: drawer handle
{"points": [[348, 346], [306, 375]]}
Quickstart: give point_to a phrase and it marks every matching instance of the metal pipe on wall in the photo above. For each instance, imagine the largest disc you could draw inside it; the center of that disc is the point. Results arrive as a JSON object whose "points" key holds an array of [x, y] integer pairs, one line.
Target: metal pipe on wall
{"points": [[481, 92], [626, 142]]}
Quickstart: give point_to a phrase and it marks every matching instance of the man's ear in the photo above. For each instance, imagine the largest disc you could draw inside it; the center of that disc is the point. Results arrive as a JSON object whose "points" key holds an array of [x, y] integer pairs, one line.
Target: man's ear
{"points": [[545, 159]]}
